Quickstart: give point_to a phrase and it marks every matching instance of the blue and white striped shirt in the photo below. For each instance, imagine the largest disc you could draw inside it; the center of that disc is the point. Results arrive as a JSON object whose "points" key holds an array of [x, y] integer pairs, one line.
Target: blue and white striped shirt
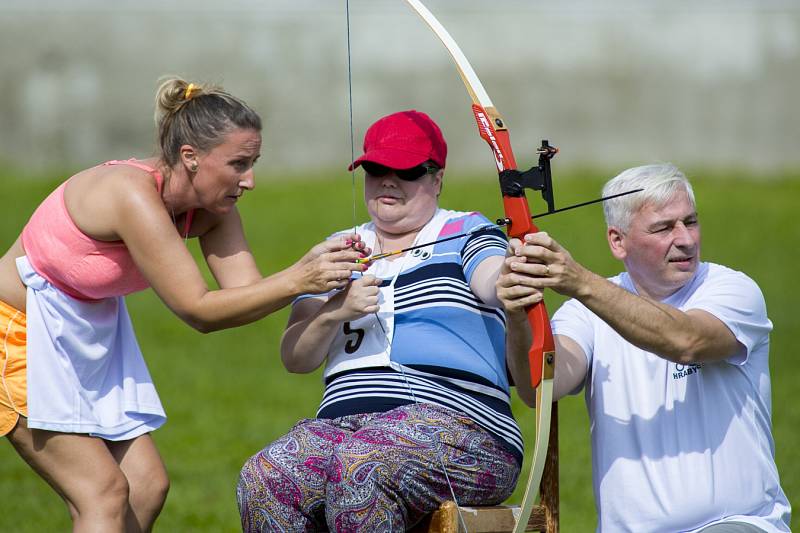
{"points": [[445, 346]]}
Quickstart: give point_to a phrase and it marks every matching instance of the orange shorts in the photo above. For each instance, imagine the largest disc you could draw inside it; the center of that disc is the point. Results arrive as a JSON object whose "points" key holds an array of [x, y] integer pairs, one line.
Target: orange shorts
{"points": [[13, 368]]}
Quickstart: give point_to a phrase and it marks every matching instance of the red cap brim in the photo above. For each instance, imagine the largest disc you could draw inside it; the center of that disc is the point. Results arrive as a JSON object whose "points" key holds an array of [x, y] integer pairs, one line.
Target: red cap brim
{"points": [[391, 157]]}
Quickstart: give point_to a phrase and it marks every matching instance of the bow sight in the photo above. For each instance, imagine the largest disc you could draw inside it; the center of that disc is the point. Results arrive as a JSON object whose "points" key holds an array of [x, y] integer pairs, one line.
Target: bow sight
{"points": [[513, 182]]}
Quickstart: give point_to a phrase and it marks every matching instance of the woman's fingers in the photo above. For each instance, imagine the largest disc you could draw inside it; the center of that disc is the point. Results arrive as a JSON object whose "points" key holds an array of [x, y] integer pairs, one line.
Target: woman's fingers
{"points": [[518, 297], [347, 255], [524, 302], [353, 241], [361, 296], [368, 280]]}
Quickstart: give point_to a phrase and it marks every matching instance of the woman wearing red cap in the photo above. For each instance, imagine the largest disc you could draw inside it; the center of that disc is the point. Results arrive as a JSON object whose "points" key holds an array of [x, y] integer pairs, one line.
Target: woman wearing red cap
{"points": [[416, 407], [76, 399]]}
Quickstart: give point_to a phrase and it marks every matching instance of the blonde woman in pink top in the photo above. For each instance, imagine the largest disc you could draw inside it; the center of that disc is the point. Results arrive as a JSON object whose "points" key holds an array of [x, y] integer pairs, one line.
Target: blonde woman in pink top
{"points": [[76, 399]]}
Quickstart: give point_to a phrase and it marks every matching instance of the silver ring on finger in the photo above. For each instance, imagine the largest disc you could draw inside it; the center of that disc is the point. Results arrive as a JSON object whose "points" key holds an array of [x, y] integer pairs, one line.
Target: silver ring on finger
{"points": [[547, 270]]}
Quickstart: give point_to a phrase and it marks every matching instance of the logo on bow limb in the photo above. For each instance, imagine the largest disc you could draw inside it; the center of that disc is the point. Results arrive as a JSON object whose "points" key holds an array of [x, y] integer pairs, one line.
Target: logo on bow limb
{"points": [[492, 129]]}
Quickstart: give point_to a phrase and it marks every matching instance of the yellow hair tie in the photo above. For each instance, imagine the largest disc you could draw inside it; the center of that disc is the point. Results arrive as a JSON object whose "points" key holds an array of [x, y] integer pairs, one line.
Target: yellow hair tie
{"points": [[188, 93]]}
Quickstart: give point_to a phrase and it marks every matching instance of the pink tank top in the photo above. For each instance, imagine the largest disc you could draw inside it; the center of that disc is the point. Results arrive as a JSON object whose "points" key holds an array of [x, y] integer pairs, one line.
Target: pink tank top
{"points": [[78, 265]]}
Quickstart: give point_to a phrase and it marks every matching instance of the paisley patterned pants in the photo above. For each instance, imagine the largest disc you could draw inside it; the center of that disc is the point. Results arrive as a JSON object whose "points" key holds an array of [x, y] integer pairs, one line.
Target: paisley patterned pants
{"points": [[372, 472]]}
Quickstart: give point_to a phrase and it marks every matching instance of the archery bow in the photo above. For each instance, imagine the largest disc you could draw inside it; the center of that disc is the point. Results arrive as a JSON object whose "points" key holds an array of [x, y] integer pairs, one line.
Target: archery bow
{"points": [[492, 129]]}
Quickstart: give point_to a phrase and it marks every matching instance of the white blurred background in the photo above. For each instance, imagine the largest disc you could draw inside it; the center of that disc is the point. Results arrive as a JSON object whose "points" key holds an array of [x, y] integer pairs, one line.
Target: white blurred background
{"points": [[613, 83]]}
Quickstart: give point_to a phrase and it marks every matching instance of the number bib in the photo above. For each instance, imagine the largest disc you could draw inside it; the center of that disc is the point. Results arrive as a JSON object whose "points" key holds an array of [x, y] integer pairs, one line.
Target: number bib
{"points": [[367, 341]]}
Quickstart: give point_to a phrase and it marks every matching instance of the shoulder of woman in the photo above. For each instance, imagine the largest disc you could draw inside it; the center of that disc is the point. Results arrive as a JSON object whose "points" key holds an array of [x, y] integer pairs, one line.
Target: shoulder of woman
{"points": [[470, 218], [126, 186], [116, 176], [112, 186]]}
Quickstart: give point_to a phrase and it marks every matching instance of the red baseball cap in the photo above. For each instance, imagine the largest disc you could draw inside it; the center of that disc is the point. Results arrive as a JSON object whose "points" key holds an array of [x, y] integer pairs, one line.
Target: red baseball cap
{"points": [[403, 140]]}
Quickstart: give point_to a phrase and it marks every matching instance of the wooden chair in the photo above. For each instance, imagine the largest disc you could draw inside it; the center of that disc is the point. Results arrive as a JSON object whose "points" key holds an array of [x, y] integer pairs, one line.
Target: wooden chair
{"points": [[501, 518]]}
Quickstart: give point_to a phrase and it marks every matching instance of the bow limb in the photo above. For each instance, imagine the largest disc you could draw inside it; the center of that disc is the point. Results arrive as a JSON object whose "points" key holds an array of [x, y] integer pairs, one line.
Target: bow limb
{"points": [[541, 355], [544, 396]]}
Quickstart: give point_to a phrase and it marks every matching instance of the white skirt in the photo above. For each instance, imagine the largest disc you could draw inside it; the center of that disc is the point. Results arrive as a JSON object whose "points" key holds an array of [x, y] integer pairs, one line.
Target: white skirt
{"points": [[86, 373]]}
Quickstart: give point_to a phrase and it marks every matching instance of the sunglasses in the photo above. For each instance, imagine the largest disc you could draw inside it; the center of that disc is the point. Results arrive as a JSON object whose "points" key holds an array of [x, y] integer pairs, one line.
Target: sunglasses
{"points": [[406, 174]]}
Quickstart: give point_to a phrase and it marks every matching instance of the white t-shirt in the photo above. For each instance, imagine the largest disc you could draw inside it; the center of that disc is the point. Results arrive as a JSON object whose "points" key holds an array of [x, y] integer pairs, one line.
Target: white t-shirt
{"points": [[678, 447]]}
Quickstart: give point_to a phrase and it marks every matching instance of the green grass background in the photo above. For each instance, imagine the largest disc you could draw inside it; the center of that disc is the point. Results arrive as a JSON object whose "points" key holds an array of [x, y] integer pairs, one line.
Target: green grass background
{"points": [[227, 395]]}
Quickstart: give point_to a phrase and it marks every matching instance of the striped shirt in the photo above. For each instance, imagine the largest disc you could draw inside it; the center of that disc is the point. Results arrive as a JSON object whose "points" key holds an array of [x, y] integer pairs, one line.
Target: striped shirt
{"points": [[434, 340]]}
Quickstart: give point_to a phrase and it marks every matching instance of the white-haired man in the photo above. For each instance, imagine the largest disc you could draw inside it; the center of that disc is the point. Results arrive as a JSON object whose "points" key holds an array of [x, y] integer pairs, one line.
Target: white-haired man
{"points": [[673, 356]]}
